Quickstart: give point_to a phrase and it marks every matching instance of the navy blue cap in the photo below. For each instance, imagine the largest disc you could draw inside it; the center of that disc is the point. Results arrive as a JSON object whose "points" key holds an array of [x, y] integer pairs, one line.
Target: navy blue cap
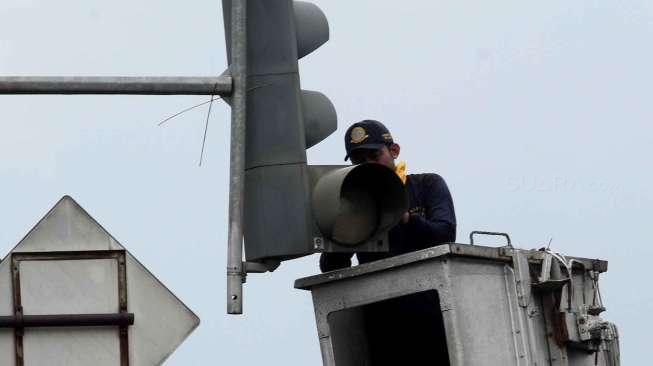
{"points": [[367, 134]]}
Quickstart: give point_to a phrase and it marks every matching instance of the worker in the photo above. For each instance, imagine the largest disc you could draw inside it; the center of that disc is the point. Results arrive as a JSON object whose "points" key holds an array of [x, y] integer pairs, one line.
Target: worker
{"points": [[430, 220], [407, 330]]}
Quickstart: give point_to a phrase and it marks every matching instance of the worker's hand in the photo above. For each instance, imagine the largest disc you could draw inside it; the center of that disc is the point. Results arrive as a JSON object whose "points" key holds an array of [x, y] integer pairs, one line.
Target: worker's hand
{"points": [[405, 218]]}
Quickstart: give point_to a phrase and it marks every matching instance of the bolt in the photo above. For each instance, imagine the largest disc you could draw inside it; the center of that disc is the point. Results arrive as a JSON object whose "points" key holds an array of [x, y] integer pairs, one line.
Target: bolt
{"points": [[234, 297], [317, 243]]}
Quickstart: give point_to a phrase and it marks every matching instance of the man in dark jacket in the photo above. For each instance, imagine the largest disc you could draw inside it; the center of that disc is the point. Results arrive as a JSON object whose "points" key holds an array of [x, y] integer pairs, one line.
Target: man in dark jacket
{"points": [[406, 330], [430, 220]]}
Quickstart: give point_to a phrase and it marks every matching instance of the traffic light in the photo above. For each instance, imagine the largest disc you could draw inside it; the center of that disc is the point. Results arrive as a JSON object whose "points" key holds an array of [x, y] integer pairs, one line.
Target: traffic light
{"points": [[292, 209], [355, 206]]}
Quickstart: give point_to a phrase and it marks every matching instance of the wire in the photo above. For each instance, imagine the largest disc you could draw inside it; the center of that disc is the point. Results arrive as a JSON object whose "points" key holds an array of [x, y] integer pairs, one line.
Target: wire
{"points": [[206, 128], [186, 110], [206, 125], [208, 114]]}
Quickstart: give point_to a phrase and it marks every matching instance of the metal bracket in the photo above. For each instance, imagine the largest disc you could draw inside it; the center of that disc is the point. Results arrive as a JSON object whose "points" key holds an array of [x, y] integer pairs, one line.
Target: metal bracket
{"points": [[20, 321], [550, 276], [545, 272], [523, 277], [260, 267], [268, 265]]}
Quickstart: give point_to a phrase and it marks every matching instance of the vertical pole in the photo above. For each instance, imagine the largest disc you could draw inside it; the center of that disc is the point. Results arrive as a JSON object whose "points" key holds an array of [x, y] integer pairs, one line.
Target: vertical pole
{"points": [[237, 170]]}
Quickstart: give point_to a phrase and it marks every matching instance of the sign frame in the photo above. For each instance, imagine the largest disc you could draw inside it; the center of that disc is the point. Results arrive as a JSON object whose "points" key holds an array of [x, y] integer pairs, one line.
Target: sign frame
{"points": [[122, 319]]}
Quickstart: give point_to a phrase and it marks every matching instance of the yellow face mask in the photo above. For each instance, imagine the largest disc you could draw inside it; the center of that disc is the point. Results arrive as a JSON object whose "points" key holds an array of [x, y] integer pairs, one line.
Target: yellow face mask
{"points": [[400, 170]]}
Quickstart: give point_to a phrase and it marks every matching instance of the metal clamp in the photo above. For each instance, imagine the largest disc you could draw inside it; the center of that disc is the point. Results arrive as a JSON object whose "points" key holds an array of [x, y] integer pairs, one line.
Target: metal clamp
{"points": [[268, 265], [471, 236]]}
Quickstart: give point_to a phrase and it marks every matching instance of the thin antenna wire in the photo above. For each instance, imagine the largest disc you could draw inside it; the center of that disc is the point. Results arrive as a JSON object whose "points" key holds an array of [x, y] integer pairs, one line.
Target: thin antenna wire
{"points": [[208, 114], [186, 110], [203, 103], [206, 128], [549, 246], [206, 125]]}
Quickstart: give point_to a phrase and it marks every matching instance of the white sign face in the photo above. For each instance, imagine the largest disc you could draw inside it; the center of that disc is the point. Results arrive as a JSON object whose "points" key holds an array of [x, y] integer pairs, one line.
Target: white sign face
{"points": [[86, 286]]}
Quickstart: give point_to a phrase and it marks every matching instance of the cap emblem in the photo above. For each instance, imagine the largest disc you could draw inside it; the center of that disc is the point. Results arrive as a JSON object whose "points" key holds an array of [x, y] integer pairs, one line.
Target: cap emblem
{"points": [[387, 137], [358, 135]]}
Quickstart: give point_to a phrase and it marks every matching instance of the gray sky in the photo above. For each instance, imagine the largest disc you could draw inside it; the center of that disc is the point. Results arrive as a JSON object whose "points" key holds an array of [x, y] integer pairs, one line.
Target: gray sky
{"points": [[536, 113]]}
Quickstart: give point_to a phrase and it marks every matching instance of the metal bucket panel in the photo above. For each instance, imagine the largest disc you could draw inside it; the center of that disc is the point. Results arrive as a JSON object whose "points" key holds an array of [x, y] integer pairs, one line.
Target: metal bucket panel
{"points": [[486, 320]]}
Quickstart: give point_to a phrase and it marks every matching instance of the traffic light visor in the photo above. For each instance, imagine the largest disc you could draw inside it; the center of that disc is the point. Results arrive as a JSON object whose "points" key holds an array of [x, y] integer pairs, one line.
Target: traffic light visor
{"points": [[312, 27], [354, 204]]}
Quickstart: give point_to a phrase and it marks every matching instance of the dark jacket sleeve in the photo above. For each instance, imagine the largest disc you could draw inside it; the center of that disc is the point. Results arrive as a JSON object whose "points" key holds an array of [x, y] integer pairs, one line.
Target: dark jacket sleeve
{"points": [[438, 225], [333, 261]]}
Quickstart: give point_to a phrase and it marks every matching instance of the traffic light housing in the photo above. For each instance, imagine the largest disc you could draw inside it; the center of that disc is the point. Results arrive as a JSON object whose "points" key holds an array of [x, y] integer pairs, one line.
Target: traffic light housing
{"points": [[354, 207], [292, 209]]}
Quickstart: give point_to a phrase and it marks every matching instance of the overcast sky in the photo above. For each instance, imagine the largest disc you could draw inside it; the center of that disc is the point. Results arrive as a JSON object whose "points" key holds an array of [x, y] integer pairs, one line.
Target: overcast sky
{"points": [[537, 114]]}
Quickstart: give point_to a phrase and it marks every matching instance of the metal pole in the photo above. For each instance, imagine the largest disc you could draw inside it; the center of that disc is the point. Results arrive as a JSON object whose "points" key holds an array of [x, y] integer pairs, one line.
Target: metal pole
{"points": [[220, 85], [238, 69]]}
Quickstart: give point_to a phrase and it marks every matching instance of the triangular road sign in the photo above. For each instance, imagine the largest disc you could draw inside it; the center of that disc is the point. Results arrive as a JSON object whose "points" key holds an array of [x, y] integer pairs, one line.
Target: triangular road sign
{"points": [[51, 283]]}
